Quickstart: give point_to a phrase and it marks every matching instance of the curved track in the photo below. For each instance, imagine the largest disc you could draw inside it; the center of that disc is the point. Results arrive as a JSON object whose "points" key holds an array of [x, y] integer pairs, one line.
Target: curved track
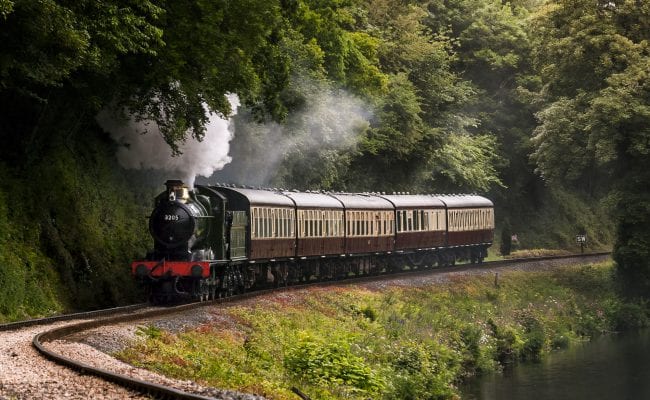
{"points": [[69, 317], [127, 314]]}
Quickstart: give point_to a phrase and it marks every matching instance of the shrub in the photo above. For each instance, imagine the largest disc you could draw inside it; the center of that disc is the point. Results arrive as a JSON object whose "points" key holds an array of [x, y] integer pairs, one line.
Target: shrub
{"points": [[328, 363], [631, 316]]}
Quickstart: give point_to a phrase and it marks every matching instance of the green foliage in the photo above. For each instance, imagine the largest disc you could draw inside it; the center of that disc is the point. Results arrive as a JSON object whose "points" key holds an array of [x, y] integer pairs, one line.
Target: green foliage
{"points": [[467, 163], [423, 371], [149, 332], [593, 59], [46, 42], [72, 231], [28, 283], [326, 363]]}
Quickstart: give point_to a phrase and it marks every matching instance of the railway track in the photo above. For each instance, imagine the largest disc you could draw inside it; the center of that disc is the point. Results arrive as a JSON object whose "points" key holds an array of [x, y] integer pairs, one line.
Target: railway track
{"points": [[71, 317], [137, 312]]}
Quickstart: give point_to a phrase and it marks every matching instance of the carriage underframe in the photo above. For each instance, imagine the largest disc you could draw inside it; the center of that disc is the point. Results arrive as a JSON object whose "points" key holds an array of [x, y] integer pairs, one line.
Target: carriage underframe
{"points": [[226, 279]]}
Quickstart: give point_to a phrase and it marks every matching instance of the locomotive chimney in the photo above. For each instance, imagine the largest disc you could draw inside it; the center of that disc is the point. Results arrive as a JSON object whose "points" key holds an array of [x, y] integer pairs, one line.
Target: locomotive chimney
{"points": [[177, 190]]}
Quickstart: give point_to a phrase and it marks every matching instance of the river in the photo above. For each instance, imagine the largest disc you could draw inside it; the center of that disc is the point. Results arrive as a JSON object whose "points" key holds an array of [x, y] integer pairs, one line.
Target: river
{"points": [[615, 367]]}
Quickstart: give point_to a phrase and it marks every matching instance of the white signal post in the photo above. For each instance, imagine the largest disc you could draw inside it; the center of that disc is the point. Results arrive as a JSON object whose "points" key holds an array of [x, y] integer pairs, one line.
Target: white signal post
{"points": [[581, 240]]}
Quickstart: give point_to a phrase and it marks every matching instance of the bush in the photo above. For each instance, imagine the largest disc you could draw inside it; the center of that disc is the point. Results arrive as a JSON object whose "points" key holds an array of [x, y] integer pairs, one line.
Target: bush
{"points": [[631, 316], [423, 371], [330, 363]]}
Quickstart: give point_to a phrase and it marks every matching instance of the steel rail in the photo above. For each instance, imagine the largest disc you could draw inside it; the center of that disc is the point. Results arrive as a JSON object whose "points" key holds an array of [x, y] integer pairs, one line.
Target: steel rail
{"points": [[11, 326], [165, 392]]}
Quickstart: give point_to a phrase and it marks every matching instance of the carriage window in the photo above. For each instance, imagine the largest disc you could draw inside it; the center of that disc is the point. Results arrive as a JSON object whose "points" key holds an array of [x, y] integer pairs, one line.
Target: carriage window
{"points": [[335, 224], [319, 223], [285, 215], [348, 222], [310, 215], [290, 219], [360, 226], [274, 216], [399, 221], [357, 220], [368, 223], [289, 216], [261, 216], [361, 222], [452, 220], [326, 223], [252, 222]]}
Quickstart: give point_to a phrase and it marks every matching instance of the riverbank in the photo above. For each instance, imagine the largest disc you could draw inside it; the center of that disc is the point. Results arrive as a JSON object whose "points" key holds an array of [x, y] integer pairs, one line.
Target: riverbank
{"points": [[407, 340]]}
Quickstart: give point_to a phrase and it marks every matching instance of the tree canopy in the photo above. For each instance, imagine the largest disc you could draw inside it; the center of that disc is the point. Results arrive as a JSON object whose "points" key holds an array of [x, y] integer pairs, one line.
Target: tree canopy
{"points": [[532, 102], [594, 130]]}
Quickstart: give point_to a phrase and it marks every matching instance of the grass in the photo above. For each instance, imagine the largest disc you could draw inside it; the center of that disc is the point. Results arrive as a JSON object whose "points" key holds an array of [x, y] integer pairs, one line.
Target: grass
{"points": [[402, 343]]}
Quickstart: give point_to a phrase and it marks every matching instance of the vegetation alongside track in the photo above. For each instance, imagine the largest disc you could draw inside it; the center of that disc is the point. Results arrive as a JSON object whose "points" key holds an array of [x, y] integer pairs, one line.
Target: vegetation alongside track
{"points": [[70, 225], [399, 343]]}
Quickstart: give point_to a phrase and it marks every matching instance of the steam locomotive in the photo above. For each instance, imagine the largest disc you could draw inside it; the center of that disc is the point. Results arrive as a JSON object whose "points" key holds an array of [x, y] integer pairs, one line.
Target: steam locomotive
{"points": [[214, 241]]}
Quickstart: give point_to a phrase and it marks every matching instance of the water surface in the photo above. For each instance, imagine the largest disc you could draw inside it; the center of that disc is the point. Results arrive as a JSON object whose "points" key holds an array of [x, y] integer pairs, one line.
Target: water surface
{"points": [[611, 367]]}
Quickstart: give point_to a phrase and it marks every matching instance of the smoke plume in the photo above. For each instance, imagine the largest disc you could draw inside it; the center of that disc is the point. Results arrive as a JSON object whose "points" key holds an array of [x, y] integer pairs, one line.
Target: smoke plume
{"points": [[143, 146], [329, 120]]}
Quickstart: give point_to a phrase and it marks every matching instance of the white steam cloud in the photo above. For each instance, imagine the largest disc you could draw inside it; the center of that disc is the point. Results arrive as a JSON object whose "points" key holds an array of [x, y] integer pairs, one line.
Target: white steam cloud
{"points": [[329, 120], [143, 146]]}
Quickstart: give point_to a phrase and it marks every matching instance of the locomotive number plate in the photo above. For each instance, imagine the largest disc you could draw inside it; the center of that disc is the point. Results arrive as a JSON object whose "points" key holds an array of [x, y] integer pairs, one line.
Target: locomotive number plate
{"points": [[171, 217]]}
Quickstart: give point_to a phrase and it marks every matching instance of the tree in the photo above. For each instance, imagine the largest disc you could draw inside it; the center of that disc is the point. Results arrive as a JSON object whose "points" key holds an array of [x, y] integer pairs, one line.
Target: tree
{"points": [[171, 63], [593, 59]]}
